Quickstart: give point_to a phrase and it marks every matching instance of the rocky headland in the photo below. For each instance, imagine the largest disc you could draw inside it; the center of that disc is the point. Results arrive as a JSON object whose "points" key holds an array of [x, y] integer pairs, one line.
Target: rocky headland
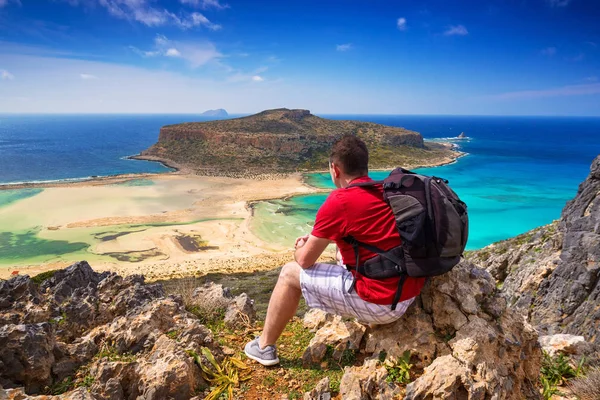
{"points": [[283, 141], [552, 274]]}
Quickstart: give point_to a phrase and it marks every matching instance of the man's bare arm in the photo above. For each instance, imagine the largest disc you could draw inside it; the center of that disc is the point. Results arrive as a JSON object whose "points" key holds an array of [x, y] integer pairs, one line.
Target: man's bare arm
{"points": [[308, 251]]}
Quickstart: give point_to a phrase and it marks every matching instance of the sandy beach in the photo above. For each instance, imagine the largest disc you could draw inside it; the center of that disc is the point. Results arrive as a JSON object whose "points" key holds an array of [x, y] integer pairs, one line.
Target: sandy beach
{"points": [[160, 225]]}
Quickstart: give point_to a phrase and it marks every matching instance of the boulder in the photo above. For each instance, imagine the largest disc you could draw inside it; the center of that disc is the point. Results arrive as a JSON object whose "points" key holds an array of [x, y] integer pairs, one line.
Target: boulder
{"points": [[320, 392], [566, 344], [339, 335], [212, 298], [240, 311], [316, 318], [26, 356], [461, 339], [367, 382]]}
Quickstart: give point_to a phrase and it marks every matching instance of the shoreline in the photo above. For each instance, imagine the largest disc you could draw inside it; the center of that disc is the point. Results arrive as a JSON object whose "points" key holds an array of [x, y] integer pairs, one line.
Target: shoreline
{"points": [[180, 170], [103, 204]]}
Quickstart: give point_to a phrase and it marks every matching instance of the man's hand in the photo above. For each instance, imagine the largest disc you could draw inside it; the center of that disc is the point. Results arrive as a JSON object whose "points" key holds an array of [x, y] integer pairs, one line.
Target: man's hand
{"points": [[308, 250], [301, 241]]}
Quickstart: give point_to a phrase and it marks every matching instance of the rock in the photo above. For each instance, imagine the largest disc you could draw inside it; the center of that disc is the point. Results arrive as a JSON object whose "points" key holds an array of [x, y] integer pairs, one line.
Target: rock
{"points": [[316, 318], [338, 335], [124, 336], [320, 392], [464, 345], [445, 378], [211, 298], [21, 302], [26, 356], [18, 394], [165, 373], [552, 274], [566, 344], [240, 311], [367, 382], [64, 282]]}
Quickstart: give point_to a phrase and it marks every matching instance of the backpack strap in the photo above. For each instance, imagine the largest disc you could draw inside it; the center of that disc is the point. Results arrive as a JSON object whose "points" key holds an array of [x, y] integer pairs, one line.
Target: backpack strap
{"points": [[400, 262]]}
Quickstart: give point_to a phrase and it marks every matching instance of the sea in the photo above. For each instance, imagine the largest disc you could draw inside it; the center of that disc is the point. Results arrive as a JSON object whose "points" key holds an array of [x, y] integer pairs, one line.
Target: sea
{"points": [[518, 172]]}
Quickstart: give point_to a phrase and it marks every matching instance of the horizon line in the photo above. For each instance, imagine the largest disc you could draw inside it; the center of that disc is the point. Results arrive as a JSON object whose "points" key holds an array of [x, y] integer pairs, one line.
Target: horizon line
{"points": [[199, 114]]}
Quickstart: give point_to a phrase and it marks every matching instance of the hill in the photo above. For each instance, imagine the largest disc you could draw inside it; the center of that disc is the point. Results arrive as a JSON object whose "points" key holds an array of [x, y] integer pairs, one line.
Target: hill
{"points": [[282, 140], [221, 113]]}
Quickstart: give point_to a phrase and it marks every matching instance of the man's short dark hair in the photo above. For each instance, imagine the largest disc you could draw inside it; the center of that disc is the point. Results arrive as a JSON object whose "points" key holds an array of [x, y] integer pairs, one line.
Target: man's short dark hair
{"points": [[351, 155]]}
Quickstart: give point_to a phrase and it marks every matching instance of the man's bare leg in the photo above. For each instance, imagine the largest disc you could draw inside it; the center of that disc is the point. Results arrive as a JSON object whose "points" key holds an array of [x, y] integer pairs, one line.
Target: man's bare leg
{"points": [[283, 304]]}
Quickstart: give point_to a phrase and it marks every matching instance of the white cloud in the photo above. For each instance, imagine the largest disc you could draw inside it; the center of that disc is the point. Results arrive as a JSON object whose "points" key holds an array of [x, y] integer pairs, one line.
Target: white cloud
{"points": [[571, 90], [456, 30], [143, 12], [6, 76], [559, 3], [591, 79], [579, 57], [273, 59], [257, 78], [5, 2], [197, 19], [88, 76], [205, 4], [401, 24], [344, 47], [549, 51], [195, 53], [172, 52]]}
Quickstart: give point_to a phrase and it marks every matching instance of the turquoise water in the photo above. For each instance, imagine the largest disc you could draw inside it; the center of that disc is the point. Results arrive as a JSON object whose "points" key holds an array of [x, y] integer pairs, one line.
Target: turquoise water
{"points": [[10, 196], [518, 175]]}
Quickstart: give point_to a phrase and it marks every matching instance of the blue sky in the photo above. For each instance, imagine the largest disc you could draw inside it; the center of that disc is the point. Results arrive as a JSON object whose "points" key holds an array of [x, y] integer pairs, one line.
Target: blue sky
{"points": [[504, 57]]}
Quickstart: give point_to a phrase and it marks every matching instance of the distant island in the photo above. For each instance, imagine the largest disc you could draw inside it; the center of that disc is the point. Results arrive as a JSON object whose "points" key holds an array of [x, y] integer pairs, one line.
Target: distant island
{"points": [[283, 141], [220, 113]]}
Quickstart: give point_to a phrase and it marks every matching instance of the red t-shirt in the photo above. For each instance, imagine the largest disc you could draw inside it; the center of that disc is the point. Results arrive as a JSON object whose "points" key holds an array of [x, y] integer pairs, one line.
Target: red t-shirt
{"points": [[363, 214]]}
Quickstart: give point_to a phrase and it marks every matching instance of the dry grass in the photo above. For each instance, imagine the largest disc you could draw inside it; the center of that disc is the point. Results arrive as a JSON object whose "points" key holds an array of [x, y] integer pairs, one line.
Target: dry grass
{"points": [[587, 387]]}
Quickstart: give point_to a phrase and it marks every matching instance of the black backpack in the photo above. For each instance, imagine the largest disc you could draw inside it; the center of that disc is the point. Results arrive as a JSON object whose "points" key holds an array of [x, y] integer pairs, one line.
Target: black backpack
{"points": [[433, 225]]}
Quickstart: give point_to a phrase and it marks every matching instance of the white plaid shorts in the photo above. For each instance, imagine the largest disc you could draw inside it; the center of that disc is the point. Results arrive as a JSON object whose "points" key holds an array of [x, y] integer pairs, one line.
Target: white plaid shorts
{"points": [[327, 287]]}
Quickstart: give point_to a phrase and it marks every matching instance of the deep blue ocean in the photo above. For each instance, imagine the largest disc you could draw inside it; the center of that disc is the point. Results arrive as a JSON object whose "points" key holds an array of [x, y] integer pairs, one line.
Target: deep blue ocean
{"points": [[519, 173], [50, 147]]}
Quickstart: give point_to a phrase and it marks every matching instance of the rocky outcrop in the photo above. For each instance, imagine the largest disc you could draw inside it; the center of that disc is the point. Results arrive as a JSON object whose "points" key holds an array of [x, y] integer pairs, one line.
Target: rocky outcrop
{"points": [[215, 299], [552, 274], [284, 140], [462, 341], [114, 337]]}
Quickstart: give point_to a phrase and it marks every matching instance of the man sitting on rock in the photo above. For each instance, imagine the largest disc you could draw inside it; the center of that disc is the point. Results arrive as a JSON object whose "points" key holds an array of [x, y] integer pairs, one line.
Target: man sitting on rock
{"points": [[361, 213]]}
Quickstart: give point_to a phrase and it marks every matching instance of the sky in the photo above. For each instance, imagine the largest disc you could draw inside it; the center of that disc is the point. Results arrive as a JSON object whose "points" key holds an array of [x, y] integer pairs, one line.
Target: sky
{"points": [[464, 57]]}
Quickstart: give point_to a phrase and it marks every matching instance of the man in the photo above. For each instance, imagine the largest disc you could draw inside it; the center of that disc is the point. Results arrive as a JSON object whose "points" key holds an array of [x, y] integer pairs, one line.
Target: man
{"points": [[361, 213]]}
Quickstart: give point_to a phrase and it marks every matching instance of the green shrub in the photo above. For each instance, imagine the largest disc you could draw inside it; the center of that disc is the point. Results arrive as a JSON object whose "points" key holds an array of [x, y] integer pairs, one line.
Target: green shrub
{"points": [[399, 370], [44, 276]]}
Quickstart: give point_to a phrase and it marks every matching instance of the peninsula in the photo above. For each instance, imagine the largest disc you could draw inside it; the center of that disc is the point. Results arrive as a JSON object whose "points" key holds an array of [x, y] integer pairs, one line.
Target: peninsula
{"points": [[285, 141]]}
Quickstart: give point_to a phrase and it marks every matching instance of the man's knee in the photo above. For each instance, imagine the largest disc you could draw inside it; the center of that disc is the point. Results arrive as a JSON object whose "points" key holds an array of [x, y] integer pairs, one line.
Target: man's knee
{"points": [[290, 274]]}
